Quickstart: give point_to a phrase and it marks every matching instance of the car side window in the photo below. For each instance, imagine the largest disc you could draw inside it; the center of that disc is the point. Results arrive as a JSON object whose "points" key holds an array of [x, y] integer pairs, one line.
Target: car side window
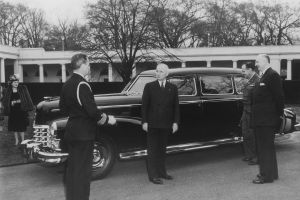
{"points": [[186, 85], [240, 81], [216, 84]]}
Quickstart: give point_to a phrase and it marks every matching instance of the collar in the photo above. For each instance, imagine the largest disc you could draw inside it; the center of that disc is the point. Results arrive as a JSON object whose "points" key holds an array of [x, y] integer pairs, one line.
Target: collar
{"points": [[263, 72], [162, 82], [79, 74]]}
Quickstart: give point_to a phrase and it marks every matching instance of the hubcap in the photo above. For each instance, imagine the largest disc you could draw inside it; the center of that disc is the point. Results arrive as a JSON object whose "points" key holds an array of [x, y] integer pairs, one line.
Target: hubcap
{"points": [[99, 156]]}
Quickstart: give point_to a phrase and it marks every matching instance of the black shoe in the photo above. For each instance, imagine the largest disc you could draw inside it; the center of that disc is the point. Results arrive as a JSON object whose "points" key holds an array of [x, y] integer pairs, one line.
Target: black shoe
{"points": [[167, 177], [252, 162], [246, 159], [259, 176], [260, 181], [156, 180]]}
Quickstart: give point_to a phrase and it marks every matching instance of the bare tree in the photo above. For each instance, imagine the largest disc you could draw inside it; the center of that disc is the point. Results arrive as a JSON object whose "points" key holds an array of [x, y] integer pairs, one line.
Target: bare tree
{"points": [[11, 18], [173, 20], [66, 36], [120, 28], [220, 26], [245, 14], [34, 27], [281, 20]]}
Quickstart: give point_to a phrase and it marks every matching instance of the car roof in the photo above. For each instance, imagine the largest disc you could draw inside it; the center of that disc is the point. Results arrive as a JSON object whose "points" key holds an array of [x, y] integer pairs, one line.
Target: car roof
{"points": [[197, 70]]}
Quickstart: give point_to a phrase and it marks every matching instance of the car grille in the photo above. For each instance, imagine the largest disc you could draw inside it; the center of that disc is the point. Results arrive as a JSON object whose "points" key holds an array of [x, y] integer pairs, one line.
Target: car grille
{"points": [[41, 134]]}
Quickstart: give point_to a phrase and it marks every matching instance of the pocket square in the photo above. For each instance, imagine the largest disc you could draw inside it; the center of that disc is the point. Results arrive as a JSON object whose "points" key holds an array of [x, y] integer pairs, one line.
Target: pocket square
{"points": [[262, 84]]}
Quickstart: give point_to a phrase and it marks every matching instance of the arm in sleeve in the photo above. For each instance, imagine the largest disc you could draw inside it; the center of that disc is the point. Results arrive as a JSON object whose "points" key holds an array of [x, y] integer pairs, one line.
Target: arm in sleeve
{"points": [[62, 104], [88, 103], [145, 103], [176, 106], [277, 92]]}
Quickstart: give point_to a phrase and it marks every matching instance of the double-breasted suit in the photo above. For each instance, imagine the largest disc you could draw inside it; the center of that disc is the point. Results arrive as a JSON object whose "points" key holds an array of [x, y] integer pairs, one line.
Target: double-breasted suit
{"points": [[160, 109], [77, 102], [268, 105]]}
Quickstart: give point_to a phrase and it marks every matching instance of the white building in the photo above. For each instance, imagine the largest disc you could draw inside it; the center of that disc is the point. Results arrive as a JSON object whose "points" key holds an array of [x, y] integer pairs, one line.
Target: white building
{"points": [[38, 65]]}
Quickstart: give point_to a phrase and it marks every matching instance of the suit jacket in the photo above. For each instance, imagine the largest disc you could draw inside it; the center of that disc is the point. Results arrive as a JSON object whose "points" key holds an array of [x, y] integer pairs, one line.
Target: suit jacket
{"points": [[248, 91], [268, 100], [77, 101], [160, 107]]}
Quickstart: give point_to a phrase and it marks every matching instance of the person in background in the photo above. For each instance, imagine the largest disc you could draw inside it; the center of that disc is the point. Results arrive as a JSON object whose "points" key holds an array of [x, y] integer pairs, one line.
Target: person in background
{"points": [[160, 116], [17, 103], [267, 111], [248, 133]]}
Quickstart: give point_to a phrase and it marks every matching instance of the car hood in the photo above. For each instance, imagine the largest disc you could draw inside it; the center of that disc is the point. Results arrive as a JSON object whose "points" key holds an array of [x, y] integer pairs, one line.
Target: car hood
{"points": [[101, 100]]}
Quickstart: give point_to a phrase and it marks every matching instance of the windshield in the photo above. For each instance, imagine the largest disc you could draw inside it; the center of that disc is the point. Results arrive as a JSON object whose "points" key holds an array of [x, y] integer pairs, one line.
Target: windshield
{"points": [[136, 86], [128, 84]]}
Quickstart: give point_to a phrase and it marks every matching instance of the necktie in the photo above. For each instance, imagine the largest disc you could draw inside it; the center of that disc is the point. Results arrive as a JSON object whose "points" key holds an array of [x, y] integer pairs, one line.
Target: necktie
{"points": [[162, 85]]}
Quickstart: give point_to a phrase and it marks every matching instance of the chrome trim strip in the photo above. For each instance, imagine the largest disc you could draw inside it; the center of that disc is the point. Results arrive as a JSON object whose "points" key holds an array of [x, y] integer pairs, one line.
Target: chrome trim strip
{"points": [[55, 110], [41, 126], [297, 127], [130, 105], [221, 100], [52, 155], [118, 106], [129, 120], [182, 148], [192, 101]]}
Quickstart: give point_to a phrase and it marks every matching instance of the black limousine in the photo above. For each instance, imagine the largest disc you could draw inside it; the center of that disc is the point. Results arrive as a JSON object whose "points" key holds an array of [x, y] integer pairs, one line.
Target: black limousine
{"points": [[210, 111]]}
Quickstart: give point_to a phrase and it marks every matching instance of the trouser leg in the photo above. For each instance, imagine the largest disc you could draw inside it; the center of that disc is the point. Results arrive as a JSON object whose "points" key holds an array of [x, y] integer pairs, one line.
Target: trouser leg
{"points": [[152, 151], [266, 153], [79, 170], [248, 137], [163, 140]]}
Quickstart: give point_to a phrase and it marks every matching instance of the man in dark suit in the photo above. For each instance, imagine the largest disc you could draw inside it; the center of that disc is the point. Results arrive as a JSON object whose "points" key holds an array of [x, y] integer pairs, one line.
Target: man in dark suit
{"points": [[248, 133], [77, 102], [160, 116], [268, 104]]}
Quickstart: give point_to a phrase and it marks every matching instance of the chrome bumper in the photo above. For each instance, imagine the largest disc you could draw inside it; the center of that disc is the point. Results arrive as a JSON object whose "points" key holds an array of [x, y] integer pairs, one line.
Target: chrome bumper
{"points": [[297, 127], [36, 151]]}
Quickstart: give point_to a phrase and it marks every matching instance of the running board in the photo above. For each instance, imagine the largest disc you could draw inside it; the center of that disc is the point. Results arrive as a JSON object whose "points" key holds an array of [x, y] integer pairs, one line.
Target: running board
{"points": [[183, 147]]}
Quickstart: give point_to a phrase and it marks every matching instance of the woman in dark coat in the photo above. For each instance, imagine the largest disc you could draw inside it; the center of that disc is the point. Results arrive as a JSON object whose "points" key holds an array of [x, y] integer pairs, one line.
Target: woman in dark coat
{"points": [[17, 103]]}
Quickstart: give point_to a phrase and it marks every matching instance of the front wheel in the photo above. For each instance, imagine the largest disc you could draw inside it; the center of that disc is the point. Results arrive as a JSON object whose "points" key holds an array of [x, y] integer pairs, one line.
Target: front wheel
{"points": [[104, 156]]}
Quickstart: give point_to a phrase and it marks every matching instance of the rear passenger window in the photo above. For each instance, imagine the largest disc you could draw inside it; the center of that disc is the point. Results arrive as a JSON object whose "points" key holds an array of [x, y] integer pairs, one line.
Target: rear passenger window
{"points": [[186, 85], [217, 84], [240, 82]]}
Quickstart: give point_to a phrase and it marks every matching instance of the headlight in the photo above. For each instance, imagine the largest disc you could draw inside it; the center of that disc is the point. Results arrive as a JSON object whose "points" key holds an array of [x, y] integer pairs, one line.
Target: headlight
{"points": [[53, 128]]}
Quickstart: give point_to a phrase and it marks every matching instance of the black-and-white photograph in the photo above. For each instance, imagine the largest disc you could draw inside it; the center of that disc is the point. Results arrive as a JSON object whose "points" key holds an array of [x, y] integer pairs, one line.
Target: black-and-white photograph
{"points": [[149, 99]]}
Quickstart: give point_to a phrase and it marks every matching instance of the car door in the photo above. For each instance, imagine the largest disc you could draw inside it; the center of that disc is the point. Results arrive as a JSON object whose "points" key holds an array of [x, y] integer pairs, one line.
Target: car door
{"points": [[220, 108], [189, 108]]}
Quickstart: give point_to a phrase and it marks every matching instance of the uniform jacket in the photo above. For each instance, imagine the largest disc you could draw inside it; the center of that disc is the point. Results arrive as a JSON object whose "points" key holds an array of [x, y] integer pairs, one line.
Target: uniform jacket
{"points": [[26, 102], [248, 91], [268, 100], [160, 107], [78, 103]]}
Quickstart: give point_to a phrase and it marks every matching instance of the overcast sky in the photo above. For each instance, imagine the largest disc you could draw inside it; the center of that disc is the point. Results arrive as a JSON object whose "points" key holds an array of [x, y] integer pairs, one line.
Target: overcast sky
{"points": [[57, 9], [74, 9]]}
